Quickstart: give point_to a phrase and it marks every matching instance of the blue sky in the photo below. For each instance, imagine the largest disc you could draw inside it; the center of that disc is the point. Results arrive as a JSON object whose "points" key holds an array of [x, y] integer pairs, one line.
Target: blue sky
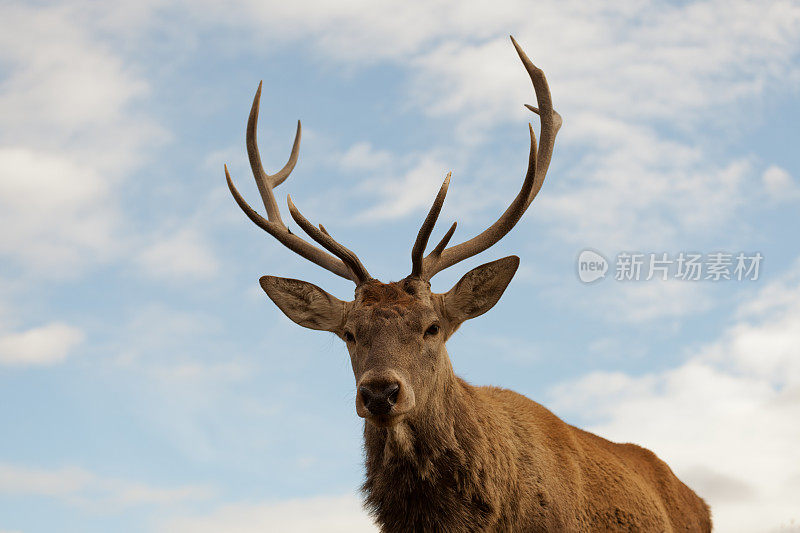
{"points": [[148, 384]]}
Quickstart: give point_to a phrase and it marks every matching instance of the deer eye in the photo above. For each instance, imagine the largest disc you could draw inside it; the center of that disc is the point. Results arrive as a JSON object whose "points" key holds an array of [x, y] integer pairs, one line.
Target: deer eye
{"points": [[432, 330], [349, 337]]}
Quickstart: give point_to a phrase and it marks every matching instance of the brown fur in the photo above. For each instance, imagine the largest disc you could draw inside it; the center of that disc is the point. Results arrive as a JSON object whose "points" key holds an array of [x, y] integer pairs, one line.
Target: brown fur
{"points": [[490, 459], [451, 457], [396, 295]]}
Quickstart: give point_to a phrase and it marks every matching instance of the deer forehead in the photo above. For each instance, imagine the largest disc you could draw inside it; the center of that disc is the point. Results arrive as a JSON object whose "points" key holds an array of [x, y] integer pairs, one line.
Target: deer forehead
{"points": [[408, 293], [403, 305]]}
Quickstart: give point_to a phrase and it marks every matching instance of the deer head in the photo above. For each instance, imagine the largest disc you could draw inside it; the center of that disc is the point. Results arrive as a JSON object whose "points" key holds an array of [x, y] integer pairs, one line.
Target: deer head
{"points": [[396, 332]]}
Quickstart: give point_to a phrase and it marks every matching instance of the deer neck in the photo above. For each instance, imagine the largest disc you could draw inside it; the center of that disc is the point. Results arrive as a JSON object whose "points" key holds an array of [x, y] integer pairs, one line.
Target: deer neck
{"points": [[434, 471], [444, 430]]}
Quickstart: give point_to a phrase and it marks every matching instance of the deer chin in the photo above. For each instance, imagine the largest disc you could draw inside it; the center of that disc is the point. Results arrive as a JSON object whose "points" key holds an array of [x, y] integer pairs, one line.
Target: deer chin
{"points": [[388, 420], [385, 421]]}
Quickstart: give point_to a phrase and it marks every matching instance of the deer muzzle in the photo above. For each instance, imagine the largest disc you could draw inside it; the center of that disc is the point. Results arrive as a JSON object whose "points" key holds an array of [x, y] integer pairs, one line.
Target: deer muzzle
{"points": [[383, 397]]}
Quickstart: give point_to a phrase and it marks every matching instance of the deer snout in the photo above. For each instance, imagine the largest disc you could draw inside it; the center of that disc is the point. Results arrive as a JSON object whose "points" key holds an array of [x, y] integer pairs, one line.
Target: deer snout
{"points": [[380, 401], [383, 395]]}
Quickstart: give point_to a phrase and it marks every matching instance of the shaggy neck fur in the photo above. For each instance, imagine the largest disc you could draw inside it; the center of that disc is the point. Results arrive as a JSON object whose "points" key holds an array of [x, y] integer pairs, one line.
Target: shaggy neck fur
{"points": [[427, 473]]}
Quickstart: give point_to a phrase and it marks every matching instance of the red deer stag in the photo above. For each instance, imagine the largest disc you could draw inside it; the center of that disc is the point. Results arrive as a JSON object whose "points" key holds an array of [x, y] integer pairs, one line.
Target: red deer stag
{"points": [[441, 454]]}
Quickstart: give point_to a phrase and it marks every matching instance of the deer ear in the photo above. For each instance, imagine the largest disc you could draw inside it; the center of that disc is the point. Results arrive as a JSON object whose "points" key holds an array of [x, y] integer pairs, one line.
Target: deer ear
{"points": [[479, 290], [305, 303]]}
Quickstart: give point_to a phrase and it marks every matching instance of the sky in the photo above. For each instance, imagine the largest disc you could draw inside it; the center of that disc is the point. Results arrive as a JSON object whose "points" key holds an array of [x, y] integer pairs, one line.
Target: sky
{"points": [[148, 385]]}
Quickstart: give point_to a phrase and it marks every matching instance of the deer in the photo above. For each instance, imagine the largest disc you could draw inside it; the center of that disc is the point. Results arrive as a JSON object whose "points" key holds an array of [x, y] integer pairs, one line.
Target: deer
{"points": [[440, 453]]}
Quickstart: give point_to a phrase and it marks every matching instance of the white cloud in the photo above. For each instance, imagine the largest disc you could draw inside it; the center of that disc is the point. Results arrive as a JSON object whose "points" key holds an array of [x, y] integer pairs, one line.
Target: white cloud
{"points": [[622, 76], [182, 255], [66, 89], [725, 420], [663, 303], [363, 156], [68, 135], [40, 346], [638, 302], [613, 72], [359, 31], [203, 373], [77, 486], [779, 184], [632, 184], [645, 191], [402, 195], [327, 513], [633, 60], [398, 185], [58, 213], [641, 57]]}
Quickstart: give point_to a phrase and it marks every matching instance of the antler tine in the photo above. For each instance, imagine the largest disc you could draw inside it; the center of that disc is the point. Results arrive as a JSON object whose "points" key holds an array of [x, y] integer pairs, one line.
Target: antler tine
{"points": [[437, 251], [350, 268], [550, 119], [324, 238], [427, 227], [264, 181], [538, 163]]}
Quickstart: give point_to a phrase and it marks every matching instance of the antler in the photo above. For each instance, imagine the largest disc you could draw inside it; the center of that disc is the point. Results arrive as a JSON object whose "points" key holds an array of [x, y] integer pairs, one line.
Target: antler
{"points": [[345, 263], [538, 162]]}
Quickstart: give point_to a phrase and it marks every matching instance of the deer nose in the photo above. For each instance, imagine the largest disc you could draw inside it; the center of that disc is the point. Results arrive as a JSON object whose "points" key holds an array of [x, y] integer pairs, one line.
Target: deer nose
{"points": [[379, 398]]}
